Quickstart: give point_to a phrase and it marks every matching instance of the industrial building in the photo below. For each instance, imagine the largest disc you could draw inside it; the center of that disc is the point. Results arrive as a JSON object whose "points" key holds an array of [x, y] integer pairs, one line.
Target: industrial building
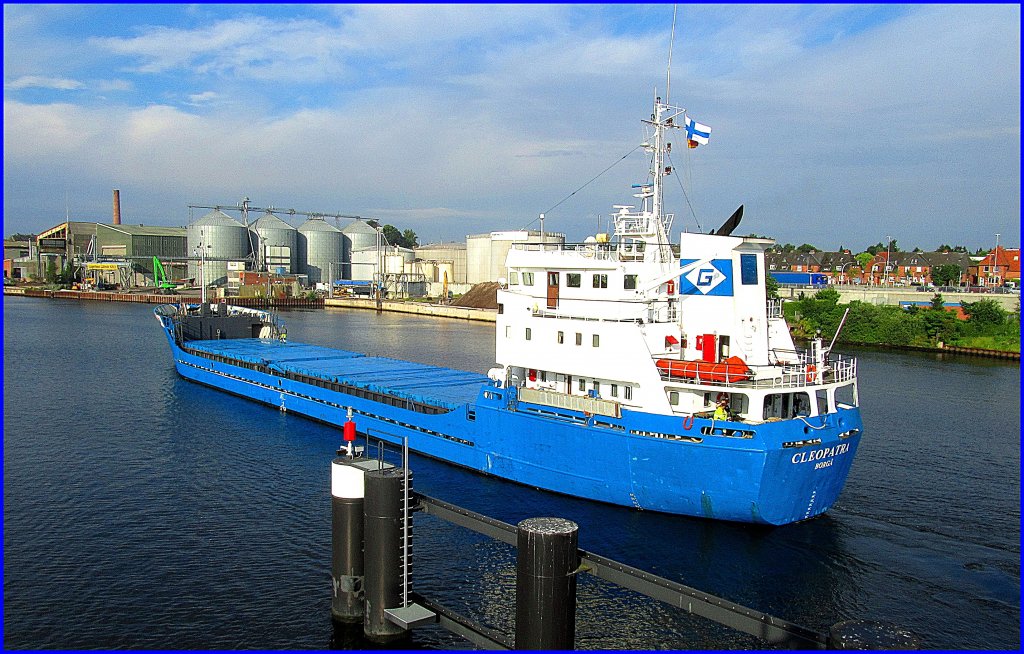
{"points": [[136, 246], [218, 249]]}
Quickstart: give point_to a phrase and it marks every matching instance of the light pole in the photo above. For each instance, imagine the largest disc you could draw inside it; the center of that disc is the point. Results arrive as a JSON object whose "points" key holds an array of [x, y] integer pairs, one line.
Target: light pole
{"points": [[888, 258], [842, 268], [202, 273], [995, 263]]}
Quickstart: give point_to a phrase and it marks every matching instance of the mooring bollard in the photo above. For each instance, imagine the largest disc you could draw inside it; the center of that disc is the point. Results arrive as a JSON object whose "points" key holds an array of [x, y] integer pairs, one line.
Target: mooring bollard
{"points": [[383, 560], [867, 634], [546, 565], [347, 493]]}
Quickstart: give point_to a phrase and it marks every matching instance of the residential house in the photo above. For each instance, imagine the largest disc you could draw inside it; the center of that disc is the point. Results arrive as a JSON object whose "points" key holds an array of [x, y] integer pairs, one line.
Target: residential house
{"points": [[840, 267], [960, 259], [912, 268], [996, 268]]}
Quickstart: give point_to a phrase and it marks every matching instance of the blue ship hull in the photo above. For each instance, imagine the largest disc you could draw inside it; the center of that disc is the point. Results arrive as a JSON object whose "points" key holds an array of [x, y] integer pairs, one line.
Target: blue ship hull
{"points": [[640, 460]]}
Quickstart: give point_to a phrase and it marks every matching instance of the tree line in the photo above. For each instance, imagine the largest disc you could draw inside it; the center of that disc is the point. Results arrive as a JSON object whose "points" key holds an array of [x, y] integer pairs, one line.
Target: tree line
{"points": [[891, 246], [988, 324]]}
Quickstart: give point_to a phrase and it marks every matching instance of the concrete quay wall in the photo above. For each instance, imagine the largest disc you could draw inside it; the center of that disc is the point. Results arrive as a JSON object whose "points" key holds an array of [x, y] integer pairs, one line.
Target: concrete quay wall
{"points": [[439, 310]]}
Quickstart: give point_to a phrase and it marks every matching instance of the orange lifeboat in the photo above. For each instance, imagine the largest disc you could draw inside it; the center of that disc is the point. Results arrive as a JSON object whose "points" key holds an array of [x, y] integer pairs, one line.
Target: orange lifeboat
{"points": [[730, 370]]}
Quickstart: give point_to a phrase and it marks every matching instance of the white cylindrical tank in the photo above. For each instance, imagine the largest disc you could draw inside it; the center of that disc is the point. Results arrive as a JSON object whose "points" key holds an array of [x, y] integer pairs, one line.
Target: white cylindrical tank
{"points": [[428, 269], [223, 239], [446, 268], [357, 235], [398, 260], [486, 253], [453, 253], [478, 258], [321, 249], [364, 263]]}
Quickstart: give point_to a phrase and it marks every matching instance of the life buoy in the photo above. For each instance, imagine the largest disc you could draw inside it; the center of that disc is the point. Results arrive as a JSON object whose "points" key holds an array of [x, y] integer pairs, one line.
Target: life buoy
{"points": [[812, 373], [721, 396], [688, 422]]}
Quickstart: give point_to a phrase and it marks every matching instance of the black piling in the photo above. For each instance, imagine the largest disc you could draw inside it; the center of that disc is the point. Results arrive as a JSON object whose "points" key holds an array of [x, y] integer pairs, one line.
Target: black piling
{"points": [[546, 565], [868, 634], [346, 540], [383, 552]]}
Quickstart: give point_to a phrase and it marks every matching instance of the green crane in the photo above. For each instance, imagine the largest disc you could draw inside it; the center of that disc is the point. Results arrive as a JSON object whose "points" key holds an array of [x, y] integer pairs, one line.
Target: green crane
{"points": [[160, 276]]}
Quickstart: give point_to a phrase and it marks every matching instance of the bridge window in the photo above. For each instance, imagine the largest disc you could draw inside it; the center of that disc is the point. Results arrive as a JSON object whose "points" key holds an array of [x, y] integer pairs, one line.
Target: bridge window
{"points": [[572, 280], [822, 398], [748, 269], [600, 281], [845, 397], [786, 406], [629, 282]]}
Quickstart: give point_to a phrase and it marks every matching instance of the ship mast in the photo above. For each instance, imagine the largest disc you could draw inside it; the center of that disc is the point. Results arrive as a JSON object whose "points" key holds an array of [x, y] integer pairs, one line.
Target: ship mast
{"points": [[659, 223]]}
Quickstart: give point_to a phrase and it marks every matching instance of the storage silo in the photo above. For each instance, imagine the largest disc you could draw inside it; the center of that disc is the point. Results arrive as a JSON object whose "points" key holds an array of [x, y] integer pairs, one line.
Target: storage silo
{"points": [[398, 260], [276, 245], [223, 239], [358, 235], [321, 249], [501, 243], [454, 254], [478, 258]]}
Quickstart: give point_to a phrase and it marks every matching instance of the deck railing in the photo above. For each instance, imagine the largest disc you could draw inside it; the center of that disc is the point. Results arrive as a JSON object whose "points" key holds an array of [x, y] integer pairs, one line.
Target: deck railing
{"points": [[800, 374]]}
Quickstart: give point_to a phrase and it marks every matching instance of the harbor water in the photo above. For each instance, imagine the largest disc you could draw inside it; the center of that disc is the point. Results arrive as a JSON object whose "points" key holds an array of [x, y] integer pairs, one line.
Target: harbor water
{"points": [[144, 511]]}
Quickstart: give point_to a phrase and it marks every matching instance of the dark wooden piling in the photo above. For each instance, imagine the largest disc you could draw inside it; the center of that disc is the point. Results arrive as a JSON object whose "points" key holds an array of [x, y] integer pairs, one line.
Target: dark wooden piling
{"points": [[383, 526], [346, 540], [546, 565]]}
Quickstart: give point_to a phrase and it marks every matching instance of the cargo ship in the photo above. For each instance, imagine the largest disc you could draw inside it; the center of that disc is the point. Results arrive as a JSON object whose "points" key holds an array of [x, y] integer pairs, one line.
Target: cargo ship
{"points": [[630, 370]]}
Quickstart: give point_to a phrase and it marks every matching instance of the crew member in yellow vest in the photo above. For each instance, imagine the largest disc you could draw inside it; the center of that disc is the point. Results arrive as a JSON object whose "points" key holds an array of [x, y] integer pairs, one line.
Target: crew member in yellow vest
{"points": [[722, 410]]}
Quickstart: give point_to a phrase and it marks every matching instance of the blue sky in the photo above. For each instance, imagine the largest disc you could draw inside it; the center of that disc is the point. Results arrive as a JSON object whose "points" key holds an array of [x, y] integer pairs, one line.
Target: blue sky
{"points": [[833, 124]]}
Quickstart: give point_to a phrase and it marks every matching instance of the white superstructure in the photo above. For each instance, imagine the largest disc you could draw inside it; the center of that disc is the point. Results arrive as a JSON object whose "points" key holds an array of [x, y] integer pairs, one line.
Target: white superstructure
{"points": [[627, 320]]}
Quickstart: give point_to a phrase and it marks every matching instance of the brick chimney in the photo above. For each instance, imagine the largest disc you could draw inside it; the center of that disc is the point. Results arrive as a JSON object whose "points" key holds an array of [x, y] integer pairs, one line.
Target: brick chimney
{"points": [[117, 207]]}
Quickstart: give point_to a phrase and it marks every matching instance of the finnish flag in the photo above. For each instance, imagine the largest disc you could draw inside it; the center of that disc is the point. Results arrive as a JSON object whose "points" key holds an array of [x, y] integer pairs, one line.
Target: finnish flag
{"points": [[695, 132]]}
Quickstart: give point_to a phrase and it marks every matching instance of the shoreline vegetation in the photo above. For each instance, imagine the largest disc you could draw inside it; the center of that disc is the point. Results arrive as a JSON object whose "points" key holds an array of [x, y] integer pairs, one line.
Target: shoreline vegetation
{"points": [[987, 327]]}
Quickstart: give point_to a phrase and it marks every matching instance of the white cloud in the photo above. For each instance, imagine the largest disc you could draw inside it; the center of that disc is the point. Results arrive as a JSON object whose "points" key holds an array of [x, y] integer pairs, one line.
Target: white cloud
{"points": [[113, 85], [203, 98], [245, 47], [39, 82]]}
